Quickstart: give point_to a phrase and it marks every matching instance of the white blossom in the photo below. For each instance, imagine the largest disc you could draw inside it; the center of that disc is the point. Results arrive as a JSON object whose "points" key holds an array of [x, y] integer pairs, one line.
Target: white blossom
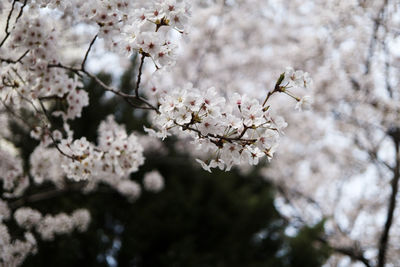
{"points": [[27, 217], [153, 181], [304, 103]]}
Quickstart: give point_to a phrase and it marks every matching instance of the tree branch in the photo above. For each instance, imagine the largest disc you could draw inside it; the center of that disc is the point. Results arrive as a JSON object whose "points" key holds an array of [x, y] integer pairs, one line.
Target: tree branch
{"points": [[21, 11], [79, 71], [383, 242], [72, 157], [139, 76], [87, 53], [353, 252], [10, 61], [9, 19], [8, 23], [372, 44]]}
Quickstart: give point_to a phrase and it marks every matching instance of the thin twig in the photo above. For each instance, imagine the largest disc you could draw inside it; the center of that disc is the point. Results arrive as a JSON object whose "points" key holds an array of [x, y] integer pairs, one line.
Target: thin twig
{"points": [[139, 76], [10, 61], [8, 23], [21, 11], [73, 157], [72, 69], [220, 137], [79, 72], [87, 53], [122, 94], [277, 88]]}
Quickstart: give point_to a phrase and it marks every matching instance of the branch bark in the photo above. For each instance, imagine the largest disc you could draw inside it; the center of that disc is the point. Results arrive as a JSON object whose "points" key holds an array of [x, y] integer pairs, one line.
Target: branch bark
{"points": [[139, 75], [87, 53], [383, 242]]}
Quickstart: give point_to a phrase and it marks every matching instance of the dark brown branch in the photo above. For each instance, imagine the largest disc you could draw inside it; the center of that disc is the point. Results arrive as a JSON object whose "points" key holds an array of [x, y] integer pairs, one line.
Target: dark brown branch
{"points": [[59, 65], [353, 252], [79, 72], [134, 105], [7, 60], [122, 94], [9, 16], [87, 53], [277, 88], [270, 93], [9, 19], [22, 56], [51, 97], [383, 242], [21, 11], [8, 23], [10, 61], [139, 75], [220, 137], [73, 157]]}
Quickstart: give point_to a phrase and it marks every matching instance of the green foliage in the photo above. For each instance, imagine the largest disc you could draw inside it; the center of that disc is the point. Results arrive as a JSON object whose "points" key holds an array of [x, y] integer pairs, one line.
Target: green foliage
{"points": [[300, 246]]}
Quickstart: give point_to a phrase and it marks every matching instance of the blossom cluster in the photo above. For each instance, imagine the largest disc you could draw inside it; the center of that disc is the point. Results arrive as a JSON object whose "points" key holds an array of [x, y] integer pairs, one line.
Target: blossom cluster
{"points": [[235, 130], [47, 226], [12, 175], [35, 42], [34, 70], [14, 252], [43, 168], [111, 161], [295, 79], [117, 154], [128, 27], [147, 32]]}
